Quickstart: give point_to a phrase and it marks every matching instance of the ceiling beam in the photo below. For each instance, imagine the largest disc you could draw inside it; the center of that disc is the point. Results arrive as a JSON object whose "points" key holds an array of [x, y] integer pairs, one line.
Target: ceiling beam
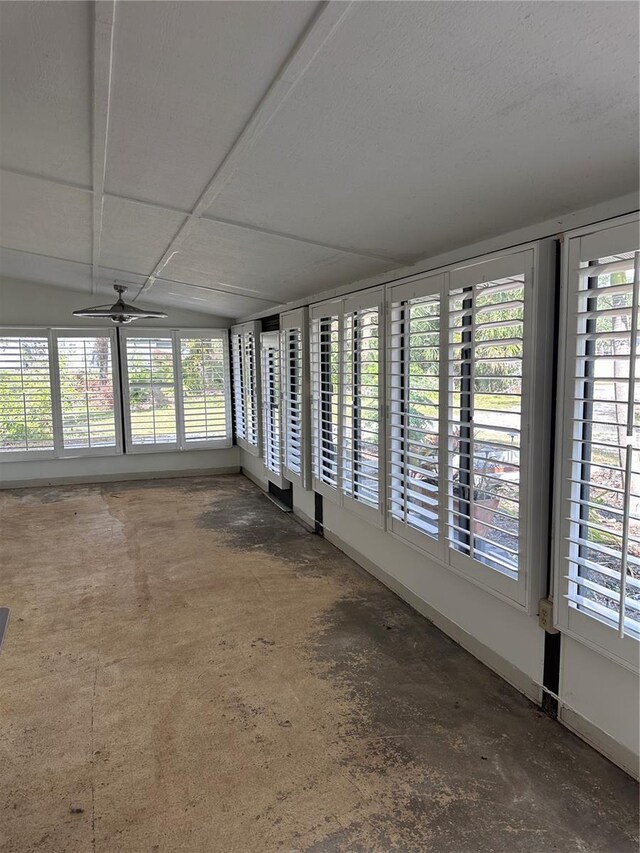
{"points": [[320, 29], [104, 19]]}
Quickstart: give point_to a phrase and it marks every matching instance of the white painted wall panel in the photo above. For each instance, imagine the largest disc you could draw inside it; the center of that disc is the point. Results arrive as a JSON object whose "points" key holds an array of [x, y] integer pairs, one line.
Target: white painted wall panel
{"points": [[601, 703], [24, 303], [125, 467]]}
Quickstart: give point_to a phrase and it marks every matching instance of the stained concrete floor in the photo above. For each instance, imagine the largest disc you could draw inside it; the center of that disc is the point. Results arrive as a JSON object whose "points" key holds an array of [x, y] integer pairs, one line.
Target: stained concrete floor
{"points": [[187, 669]]}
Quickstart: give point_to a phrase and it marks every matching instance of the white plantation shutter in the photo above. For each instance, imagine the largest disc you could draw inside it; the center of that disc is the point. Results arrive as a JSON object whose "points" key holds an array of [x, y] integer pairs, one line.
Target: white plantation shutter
{"points": [[295, 396], [486, 358], [346, 395], [26, 408], [150, 387], [416, 404], [176, 389], [271, 427], [238, 386], [325, 396], [461, 386], [89, 402], [246, 376], [204, 382], [362, 440], [598, 573]]}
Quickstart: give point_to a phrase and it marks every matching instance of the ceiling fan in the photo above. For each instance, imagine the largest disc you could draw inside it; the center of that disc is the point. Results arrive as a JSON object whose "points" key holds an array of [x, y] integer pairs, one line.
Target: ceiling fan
{"points": [[120, 312]]}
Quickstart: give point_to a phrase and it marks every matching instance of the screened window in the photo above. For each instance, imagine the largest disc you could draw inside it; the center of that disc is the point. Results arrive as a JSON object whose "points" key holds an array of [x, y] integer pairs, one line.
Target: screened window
{"points": [[246, 375], [271, 430], [26, 409], [600, 563], [89, 406]]}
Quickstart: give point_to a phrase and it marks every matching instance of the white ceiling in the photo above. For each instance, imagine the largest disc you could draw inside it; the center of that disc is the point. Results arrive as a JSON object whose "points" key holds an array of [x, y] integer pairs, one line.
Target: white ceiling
{"points": [[229, 156]]}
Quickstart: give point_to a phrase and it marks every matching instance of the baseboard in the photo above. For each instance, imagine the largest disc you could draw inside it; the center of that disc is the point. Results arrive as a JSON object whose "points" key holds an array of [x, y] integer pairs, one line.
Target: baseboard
{"points": [[514, 676], [304, 519], [88, 479], [263, 484], [600, 741]]}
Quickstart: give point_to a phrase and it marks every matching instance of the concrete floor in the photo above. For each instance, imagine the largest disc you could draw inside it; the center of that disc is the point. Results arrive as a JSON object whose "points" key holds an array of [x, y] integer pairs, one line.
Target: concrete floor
{"points": [[187, 669]]}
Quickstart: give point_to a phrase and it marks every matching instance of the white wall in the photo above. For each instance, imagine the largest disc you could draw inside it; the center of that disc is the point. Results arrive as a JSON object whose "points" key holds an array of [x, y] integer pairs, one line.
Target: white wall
{"points": [[30, 304], [601, 702], [25, 303]]}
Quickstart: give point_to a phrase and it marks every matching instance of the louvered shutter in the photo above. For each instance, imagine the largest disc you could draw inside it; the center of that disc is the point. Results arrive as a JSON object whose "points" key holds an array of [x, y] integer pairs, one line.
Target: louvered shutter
{"points": [[150, 387], [295, 391], [361, 429], [417, 401], [203, 385], [246, 378], [271, 426], [486, 358], [26, 409], [238, 386], [325, 396], [90, 410], [599, 565]]}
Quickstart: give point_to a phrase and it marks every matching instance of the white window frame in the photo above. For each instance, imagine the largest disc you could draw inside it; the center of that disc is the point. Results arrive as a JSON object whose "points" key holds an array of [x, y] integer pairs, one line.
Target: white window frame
{"points": [[207, 334], [369, 299], [537, 264], [297, 320], [175, 335], [59, 451], [589, 243], [243, 388], [117, 407], [433, 284]]}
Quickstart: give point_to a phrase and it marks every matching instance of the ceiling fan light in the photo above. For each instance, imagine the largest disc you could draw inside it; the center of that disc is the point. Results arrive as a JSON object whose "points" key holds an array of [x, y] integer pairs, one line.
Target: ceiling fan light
{"points": [[119, 313]]}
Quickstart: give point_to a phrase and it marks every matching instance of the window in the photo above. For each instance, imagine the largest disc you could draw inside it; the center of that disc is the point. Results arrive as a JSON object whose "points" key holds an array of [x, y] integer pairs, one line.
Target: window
{"points": [[57, 394], [246, 372], [26, 408], [295, 429], [346, 379], [325, 390], [204, 378], [90, 412], [598, 566], [150, 390], [270, 343], [175, 389], [485, 416], [415, 502], [468, 418], [361, 414]]}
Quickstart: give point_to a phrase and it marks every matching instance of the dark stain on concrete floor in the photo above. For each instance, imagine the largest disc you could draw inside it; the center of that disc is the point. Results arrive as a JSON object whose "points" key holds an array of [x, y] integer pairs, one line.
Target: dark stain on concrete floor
{"points": [[216, 678]]}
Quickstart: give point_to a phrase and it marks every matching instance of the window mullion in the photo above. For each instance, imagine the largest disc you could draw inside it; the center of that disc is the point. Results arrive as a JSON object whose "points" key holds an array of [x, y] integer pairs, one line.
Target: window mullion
{"points": [[56, 396]]}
